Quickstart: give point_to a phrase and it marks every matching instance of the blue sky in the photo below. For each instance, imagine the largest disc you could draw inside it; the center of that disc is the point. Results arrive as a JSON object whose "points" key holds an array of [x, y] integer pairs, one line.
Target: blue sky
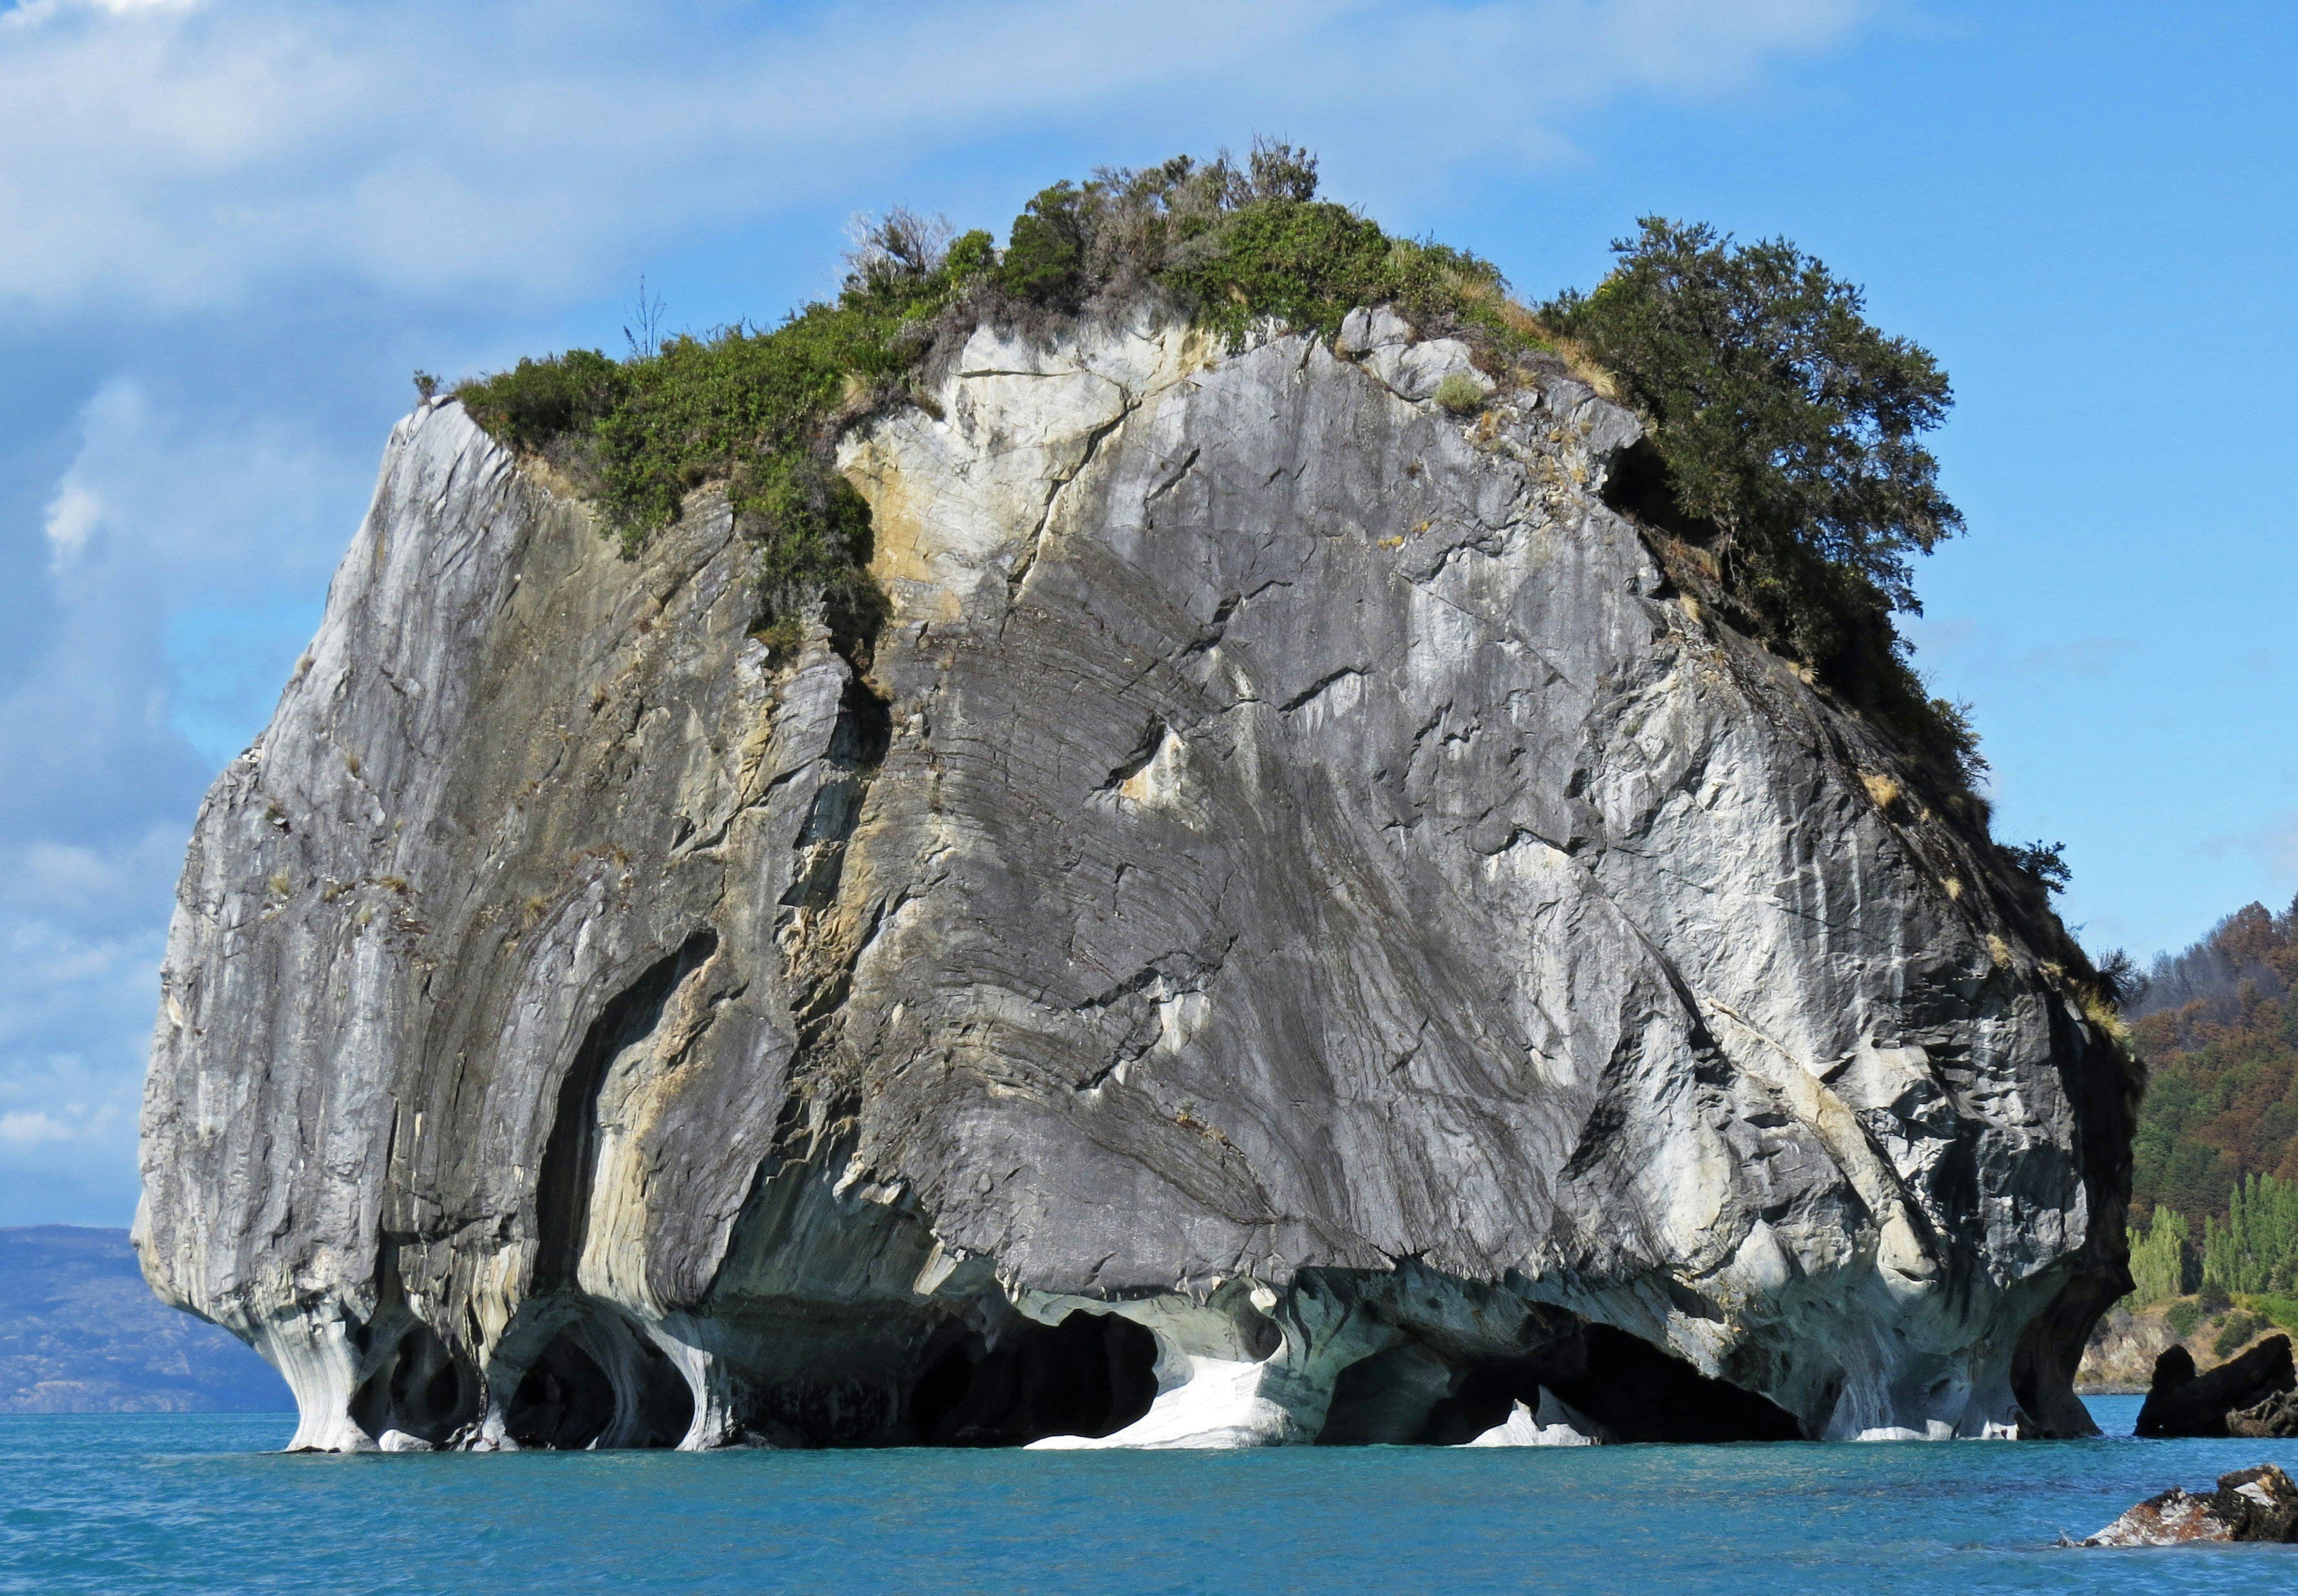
{"points": [[230, 230]]}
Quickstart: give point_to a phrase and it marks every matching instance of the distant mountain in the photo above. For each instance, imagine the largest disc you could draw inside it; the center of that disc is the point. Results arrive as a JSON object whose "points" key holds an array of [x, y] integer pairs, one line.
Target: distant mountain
{"points": [[81, 1333]]}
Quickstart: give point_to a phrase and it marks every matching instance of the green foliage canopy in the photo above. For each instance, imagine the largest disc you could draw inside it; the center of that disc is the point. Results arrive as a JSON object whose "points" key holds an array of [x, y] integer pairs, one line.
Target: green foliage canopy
{"points": [[2255, 1248], [2160, 1260], [1787, 426], [1787, 419], [1238, 246]]}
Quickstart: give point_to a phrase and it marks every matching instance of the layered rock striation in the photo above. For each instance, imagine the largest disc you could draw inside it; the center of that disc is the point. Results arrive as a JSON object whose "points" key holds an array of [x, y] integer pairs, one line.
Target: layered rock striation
{"points": [[1293, 932]]}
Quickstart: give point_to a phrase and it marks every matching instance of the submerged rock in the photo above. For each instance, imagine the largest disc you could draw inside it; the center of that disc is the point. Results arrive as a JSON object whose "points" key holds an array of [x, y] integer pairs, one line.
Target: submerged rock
{"points": [[1293, 932], [2184, 1403], [2250, 1504]]}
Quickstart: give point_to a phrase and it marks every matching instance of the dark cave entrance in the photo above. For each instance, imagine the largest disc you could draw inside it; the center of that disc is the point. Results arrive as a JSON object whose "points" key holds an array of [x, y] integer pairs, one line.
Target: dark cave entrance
{"points": [[1090, 1375], [564, 1402], [1630, 1389], [421, 1388], [599, 1386]]}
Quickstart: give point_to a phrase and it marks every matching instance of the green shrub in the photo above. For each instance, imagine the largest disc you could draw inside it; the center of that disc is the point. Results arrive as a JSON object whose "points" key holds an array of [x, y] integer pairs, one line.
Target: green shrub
{"points": [[1235, 247], [2280, 1311], [2237, 1330], [1460, 393], [2184, 1318], [2043, 862], [1045, 249]]}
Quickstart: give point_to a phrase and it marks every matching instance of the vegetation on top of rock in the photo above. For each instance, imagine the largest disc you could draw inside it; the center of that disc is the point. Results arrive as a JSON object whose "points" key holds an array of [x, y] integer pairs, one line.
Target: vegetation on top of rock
{"points": [[1230, 246], [1784, 430], [1785, 482], [1237, 247]]}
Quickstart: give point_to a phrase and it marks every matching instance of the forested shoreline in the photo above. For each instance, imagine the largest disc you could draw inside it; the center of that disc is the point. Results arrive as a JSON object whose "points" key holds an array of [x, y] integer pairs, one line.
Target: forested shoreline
{"points": [[2214, 1203]]}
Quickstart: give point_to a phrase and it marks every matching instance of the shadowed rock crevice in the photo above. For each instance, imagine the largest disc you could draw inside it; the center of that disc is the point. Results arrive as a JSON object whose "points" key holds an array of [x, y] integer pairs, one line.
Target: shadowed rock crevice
{"points": [[420, 1388], [564, 1402], [599, 1382], [570, 1157]]}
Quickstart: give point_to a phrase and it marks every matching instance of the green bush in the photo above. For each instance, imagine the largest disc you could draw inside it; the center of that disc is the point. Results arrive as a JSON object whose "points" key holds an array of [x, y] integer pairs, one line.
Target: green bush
{"points": [[1460, 393], [2237, 1330], [540, 400], [2184, 1318], [2280, 1311]]}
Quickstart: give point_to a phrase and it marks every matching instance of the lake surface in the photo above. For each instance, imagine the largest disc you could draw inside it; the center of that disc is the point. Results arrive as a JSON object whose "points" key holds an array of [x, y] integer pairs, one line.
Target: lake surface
{"points": [[134, 1503]]}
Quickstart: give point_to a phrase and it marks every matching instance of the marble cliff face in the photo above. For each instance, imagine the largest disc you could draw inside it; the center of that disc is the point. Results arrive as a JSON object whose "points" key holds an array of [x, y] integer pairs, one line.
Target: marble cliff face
{"points": [[1295, 935]]}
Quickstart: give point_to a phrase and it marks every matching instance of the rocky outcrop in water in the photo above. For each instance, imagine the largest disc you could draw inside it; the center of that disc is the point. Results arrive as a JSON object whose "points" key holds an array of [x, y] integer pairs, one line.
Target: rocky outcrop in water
{"points": [[2250, 1504], [2243, 1396], [1295, 932]]}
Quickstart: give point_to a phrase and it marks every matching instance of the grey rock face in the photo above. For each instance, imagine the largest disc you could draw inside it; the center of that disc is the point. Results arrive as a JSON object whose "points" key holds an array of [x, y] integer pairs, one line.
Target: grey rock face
{"points": [[1298, 935]]}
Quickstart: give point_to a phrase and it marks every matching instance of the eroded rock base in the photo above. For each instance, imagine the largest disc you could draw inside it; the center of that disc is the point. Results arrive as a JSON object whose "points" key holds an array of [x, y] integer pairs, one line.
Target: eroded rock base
{"points": [[1338, 1357]]}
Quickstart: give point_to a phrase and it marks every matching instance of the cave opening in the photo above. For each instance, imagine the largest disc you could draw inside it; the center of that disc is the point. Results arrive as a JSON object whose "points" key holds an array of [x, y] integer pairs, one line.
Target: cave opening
{"points": [[563, 1403], [1622, 1386], [1090, 1375], [420, 1388], [600, 1382], [1642, 1393]]}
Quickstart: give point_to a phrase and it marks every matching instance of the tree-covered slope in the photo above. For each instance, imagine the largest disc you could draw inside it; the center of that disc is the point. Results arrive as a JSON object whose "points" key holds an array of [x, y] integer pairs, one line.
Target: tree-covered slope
{"points": [[2218, 1031]]}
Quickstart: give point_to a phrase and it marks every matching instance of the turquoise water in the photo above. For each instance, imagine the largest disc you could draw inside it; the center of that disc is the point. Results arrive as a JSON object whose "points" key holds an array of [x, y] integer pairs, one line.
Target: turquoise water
{"points": [[129, 1504]]}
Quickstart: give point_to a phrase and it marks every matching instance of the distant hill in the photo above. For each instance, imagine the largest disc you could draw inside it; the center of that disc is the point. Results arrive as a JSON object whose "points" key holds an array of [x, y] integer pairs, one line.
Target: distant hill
{"points": [[2219, 1030], [81, 1333]]}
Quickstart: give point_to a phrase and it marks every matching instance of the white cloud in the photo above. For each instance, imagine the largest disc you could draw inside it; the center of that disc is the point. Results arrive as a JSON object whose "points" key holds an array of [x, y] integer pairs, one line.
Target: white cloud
{"points": [[72, 515], [29, 1130], [158, 512], [173, 156]]}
